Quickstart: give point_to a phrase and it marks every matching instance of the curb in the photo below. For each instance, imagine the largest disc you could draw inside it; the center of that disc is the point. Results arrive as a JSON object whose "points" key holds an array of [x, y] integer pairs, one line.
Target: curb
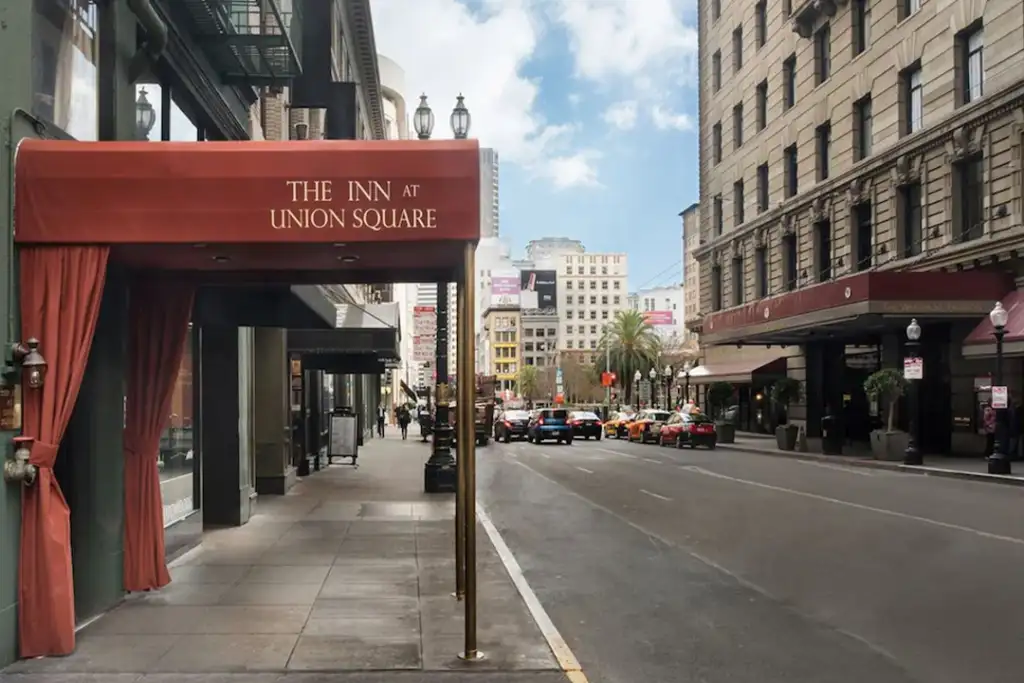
{"points": [[881, 465]]}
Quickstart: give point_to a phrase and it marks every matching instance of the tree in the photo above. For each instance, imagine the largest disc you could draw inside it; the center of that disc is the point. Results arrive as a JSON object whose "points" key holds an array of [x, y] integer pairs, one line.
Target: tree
{"points": [[578, 379], [632, 345], [886, 386], [529, 383]]}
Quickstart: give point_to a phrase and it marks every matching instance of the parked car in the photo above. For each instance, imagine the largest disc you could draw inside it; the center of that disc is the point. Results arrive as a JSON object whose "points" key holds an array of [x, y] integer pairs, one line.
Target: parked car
{"points": [[646, 428], [550, 423], [616, 424], [511, 424], [692, 430], [585, 424]]}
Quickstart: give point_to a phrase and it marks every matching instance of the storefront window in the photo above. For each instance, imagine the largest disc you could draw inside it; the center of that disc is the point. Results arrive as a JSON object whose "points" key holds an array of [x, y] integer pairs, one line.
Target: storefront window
{"points": [[177, 454], [65, 65], [181, 129]]}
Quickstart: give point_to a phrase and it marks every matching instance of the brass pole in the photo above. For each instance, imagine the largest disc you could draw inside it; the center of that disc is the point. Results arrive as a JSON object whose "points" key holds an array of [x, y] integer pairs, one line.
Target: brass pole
{"points": [[468, 464], [464, 429]]}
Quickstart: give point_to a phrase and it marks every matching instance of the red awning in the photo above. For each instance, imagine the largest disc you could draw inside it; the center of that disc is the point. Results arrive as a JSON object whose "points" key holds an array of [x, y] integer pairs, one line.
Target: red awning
{"points": [[275, 196], [981, 341], [738, 372]]}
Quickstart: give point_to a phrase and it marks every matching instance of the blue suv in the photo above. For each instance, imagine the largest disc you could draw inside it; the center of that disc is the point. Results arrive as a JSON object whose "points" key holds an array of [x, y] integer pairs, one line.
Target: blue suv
{"points": [[550, 423]]}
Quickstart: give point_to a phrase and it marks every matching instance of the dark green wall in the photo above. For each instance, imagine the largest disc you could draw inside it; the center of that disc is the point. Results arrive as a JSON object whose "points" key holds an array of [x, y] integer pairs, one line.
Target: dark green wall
{"points": [[15, 55]]}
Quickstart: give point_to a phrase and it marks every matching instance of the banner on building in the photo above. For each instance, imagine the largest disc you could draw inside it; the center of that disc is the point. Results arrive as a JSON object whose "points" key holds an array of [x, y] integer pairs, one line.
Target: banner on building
{"points": [[539, 289], [659, 318], [424, 333], [505, 288]]}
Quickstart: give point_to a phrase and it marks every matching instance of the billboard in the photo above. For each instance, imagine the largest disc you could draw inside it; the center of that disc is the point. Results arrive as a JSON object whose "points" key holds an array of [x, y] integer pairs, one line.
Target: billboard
{"points": [[505, 288], [539, 288], [658, 318]]}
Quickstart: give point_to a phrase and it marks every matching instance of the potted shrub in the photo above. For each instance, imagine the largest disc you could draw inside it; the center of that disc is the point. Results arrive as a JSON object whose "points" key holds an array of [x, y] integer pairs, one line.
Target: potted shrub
{"points": [[719, 397], [785, 392], [886, 386]]}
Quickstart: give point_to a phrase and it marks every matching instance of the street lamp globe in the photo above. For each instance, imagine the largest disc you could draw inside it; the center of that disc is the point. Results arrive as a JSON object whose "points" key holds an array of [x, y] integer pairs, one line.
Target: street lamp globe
{"points": [[667, 371], [998, 316], [423, 119], [637, 376], [682, 373], [460, 119], [145, 115], [653, 374], [913, 330]]}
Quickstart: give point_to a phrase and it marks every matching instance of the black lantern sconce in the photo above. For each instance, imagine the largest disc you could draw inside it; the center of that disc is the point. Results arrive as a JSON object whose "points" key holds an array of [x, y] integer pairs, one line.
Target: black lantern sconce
{"points": [[33, 365]]}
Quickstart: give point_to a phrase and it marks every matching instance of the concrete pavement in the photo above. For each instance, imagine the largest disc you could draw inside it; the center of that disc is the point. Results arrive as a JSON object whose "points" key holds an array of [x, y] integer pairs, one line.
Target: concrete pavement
{"points": [[351, 572], [700, 565]]}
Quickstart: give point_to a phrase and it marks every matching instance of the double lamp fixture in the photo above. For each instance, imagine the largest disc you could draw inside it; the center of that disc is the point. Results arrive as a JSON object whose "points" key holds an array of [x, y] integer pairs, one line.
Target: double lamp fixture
{"points": [[25, 364]]}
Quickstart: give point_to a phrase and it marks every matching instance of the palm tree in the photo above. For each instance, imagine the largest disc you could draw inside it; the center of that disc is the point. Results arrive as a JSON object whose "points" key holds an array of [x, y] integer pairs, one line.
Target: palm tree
{"points": [[529, 383], [632, 345]]}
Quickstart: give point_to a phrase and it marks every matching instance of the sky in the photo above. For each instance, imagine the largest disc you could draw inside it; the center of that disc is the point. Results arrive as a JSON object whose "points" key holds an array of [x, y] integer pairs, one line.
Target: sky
{"points": [[591, 105]]}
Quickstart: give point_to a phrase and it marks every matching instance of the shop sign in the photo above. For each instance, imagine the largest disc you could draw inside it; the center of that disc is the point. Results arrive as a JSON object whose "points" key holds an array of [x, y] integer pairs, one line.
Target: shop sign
{"points": [[913, 368], [1000, 398]]}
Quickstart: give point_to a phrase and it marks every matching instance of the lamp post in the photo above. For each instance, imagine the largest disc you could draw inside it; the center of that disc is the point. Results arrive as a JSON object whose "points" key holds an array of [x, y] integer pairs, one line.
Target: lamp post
{"points": [[460, 119], [423, 119], [684, 374], [637, 376], [999, 461], [145, 116], [912, 456], [667, 372], [653, 375]]}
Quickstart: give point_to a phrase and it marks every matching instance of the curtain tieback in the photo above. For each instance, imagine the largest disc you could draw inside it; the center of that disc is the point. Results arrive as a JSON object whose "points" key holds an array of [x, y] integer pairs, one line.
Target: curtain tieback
{"points": [[43, 454]]}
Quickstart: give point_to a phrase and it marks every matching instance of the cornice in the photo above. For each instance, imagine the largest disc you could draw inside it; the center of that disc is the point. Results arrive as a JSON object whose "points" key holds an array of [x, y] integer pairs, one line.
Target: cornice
{"points": [[991, 108]]}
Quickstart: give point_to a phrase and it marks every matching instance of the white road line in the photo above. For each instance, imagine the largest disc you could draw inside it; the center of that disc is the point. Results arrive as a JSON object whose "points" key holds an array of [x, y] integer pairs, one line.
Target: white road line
{"points": [[654, 495], [544, 455], [563, 654], [838, 468], [656, 462], [584, 469], [857, 506], [621, 455]]}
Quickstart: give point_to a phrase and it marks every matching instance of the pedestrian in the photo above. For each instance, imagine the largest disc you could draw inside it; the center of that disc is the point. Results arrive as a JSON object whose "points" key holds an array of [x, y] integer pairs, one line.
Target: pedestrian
{"points": [[404, 418], [381, 417]]}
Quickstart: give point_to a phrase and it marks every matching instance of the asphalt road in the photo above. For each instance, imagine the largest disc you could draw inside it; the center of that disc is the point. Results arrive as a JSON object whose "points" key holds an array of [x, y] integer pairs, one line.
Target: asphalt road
{"points": [[681, 566]]}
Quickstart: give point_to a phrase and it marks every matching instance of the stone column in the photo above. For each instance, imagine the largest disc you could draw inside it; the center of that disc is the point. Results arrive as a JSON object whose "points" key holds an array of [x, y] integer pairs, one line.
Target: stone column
{"points": [[274, 471]]}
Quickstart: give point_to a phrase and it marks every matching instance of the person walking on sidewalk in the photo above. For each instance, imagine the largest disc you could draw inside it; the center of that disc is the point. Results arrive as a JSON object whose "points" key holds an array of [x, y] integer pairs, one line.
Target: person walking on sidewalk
{"points": [[381, 417], [404, 418]]}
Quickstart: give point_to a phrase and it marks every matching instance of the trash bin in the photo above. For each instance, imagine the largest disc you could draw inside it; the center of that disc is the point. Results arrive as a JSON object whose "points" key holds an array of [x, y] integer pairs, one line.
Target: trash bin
{"points": [[831, 435]]}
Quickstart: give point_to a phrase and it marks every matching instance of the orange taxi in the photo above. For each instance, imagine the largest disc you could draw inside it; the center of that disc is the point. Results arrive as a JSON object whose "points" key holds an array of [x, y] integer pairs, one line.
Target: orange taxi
{"points": [[646, 428], [616, 424]]}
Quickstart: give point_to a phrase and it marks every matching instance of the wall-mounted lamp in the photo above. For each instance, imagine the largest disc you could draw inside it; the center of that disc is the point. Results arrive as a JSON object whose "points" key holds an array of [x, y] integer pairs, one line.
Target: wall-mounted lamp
{"points": [[18, 469], [32, 363]]}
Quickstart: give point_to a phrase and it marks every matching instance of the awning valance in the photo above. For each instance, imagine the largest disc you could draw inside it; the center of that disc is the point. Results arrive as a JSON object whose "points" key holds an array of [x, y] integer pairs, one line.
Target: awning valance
{"points": [[981, 342], [738, 372]]}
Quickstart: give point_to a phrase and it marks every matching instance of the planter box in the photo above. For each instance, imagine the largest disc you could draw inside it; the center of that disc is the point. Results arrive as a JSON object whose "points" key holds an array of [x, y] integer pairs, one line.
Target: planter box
{"points": [[889, 446], [726, 432], [786, 436]]}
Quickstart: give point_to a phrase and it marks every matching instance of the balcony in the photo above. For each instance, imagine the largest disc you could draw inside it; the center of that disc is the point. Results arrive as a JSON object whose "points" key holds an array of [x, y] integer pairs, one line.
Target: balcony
{"points": [[810, 13], [251, 43]]}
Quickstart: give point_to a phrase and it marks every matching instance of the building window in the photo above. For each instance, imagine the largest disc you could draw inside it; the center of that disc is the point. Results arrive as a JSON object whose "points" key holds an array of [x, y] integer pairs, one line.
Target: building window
{"points": [[737, 49], [760, 23], [789, 83], [863, 237], [761, 97], [177, 459], [716, 71], [907, 8], [969, 193], [823, 250], [737, 281], [792, 170], [717, 216], [911, 100], [737, 126], [716, 288], [789, 262], [761, 272], [65, 73], [762, 188], [822, 54], [716, 143], [912, 227], [970, 65], [737, 200], [823, 148], [787, 8], [862, 128], [861, 14], [716, 9]]}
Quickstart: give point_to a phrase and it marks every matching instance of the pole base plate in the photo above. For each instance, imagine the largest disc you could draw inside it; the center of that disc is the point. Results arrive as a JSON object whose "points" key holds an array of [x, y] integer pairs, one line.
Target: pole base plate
{"points": [[472, 656]]}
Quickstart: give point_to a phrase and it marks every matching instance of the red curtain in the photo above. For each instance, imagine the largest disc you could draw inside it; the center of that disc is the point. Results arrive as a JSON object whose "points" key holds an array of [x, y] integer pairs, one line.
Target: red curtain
{"points": [[61, 288], [159, 314]]}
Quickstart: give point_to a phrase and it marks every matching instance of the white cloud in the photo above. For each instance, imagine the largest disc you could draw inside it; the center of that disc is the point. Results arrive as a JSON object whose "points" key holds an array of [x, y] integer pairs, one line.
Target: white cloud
{"points": [[665, 119], [622, 115], [446, 49]]}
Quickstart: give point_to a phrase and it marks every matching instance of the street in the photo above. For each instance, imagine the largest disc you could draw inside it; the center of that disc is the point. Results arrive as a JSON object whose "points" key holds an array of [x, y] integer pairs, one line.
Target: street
{"points": [[659, 564]]}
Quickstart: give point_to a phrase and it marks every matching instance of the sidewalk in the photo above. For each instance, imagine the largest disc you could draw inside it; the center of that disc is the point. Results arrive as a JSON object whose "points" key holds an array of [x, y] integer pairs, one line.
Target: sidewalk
{"points": [[352, 571], [938, 466]]}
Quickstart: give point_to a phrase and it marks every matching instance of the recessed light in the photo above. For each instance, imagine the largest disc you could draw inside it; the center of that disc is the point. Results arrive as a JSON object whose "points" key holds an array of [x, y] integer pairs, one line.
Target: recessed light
{"points": [[221, 259], [340, 244], [348, 259], [200, 245]]}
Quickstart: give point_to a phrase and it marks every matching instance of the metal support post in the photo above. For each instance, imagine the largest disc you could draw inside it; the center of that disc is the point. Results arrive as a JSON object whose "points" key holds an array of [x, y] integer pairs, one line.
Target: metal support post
{"points": [[999, 461], [467, 415], [912, 456], [439, 472], [466, 433]]}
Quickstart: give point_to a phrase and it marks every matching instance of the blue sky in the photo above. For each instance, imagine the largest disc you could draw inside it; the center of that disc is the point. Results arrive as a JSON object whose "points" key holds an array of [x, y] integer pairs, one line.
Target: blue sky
{"points": [[591, 105]]}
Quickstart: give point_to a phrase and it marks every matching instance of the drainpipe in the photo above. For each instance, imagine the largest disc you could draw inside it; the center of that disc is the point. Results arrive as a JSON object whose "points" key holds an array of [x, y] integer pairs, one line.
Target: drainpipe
{"points": [[156, 37]]}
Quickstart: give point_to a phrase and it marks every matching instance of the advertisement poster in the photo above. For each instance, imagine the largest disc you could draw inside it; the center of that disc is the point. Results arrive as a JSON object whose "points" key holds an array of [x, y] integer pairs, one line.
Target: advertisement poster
{"points": [[424, 333], [505, 288], [539, 289], [658, 318]]}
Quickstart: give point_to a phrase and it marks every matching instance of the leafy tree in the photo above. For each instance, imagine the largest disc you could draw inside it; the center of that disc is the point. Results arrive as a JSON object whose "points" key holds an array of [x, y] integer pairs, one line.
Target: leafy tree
{"points": [[529, 383], [886, 386], [632, 345], [582, 382]]}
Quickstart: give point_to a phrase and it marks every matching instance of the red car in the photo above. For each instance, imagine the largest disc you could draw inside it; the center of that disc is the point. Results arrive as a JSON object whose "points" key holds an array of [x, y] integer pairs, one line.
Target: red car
{"points": [[688, 430]]}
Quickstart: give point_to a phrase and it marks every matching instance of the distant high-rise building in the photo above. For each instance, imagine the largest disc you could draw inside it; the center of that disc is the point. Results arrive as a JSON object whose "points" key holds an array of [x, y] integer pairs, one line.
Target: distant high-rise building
{"points": [[489, 202]]}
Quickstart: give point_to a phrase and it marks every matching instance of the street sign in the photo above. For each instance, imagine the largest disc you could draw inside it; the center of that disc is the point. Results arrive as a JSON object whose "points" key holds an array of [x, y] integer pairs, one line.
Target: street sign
{"points": [[913, 368], [1000, 398], [424, 331]]}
